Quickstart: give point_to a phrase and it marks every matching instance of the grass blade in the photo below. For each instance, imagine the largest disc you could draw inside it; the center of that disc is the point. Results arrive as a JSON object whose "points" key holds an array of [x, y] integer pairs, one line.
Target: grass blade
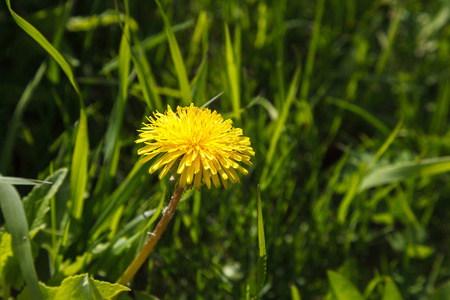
{"points": [[284, 114], [279, 126], [362, 113], [309, 65], [17, 226], [402, 171], [147, 44], [176, 58], [392, 32], [345, 203], [233, 74], [21, 181], [194, 46], [124, 56], [262, 258], [145, 76], [295, 294], [42, 41], [79, 168], [60, 27], [387, 143], [112, 141], [440, 115]]}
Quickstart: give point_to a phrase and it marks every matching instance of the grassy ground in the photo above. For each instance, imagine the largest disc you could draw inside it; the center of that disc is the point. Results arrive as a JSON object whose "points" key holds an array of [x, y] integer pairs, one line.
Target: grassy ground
{"points": [[346, 104]]}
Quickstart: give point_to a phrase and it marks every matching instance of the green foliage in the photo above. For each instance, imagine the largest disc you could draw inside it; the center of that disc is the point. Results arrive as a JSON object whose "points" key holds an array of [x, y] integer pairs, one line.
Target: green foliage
{"points": [[342, 288], [346, 105], [80, 287]]}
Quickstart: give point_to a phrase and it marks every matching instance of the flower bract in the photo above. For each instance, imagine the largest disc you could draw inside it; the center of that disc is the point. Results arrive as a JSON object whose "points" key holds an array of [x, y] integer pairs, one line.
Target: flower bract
{"points": [[197, 144]]}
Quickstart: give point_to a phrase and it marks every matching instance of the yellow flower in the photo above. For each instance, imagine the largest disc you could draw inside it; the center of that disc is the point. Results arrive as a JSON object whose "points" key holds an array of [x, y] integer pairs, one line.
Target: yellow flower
{"points": [[197, 144]]}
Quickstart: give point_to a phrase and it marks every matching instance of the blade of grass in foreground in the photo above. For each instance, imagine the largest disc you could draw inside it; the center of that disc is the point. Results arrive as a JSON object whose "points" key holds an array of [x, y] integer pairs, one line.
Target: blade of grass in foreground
{"points": [[17, 226], [176, 57]]}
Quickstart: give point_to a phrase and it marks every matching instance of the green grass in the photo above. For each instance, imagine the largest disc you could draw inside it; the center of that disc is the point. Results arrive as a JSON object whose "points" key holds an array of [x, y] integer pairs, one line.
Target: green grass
{"points": [[345, 102]]}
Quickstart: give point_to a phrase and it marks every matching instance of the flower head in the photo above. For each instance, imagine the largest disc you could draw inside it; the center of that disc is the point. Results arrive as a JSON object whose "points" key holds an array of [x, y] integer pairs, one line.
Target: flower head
{"points": [[196, 144]]}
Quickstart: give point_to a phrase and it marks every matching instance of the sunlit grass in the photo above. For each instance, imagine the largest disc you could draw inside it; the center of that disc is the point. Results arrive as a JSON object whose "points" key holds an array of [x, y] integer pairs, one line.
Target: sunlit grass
{"points": [[346, 105]]}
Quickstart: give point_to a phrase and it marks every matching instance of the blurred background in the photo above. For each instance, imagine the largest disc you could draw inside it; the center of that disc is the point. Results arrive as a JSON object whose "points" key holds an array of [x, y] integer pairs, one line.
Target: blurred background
{"points": [[345, 102]]}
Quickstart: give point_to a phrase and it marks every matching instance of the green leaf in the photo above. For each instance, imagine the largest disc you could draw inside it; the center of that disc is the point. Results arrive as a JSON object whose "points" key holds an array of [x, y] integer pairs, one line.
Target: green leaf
{"points": [[405, 170], [79, 287], [79, 168], [391, 291], [16, 224], [5, 250], [342, 288], [176, 58], [42, 41], [10, 275]]}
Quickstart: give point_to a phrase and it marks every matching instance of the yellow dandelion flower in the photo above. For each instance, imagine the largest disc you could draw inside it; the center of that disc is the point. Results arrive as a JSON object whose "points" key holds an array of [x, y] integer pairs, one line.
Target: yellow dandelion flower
{"points": [[196, 144]]}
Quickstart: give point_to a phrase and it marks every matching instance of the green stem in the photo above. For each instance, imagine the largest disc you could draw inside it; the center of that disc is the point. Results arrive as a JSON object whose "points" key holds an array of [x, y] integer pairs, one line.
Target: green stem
{"points": [[153, 239]]}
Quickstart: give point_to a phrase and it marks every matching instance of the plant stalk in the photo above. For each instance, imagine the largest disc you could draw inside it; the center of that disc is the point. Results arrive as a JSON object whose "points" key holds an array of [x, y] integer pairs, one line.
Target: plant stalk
{"points": [[152, 240]]}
